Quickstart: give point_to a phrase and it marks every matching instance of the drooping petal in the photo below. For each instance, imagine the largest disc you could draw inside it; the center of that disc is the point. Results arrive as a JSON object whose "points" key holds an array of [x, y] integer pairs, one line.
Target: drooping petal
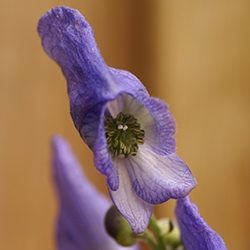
{"points": [[156, 178], [134, 209], [82, 208], [195, 232]]}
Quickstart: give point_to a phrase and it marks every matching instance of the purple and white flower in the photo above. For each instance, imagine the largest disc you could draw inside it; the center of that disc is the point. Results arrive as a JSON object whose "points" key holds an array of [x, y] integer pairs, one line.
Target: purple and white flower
{"points": [[130, 133], [81, 207]]}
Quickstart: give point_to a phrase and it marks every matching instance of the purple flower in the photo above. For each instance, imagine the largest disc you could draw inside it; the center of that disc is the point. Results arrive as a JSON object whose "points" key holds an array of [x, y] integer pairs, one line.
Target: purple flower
{"points": [[195, 233], [130, 133], [82, 207]]}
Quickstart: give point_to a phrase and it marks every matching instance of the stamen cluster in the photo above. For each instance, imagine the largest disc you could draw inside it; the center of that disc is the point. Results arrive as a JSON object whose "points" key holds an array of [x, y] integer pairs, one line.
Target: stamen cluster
{"points": [[123, 134]]}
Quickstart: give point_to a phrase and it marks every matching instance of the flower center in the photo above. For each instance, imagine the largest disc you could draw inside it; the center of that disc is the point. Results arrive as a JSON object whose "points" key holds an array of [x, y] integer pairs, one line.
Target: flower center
{"points": [[123, 134]]}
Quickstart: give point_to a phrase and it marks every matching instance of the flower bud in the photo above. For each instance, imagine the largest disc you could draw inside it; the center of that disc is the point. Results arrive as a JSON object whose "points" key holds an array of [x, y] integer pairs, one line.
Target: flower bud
{"points": [[118, 228], [173, 237], [165, 225]]}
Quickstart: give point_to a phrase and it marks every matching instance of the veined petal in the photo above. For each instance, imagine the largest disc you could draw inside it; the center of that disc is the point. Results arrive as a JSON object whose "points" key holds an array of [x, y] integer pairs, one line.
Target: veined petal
{"points": [[161, 136], [82, 208], [195, 232], [128, 82], [157, 178], [103, 160], [134, 209]]}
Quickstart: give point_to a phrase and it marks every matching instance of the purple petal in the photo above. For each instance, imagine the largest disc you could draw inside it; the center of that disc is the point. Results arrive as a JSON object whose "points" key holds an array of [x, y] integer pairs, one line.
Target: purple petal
{"points": [[195, 232], [135, 210], [67, 234], [157, 178], [162, 140], [82, 207], [128, 82]]}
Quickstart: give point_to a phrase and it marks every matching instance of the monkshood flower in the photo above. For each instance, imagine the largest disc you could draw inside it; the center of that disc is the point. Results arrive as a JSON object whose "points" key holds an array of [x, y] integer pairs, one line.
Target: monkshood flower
{"points": [[195, 233], [130, 133], [82, 208]]}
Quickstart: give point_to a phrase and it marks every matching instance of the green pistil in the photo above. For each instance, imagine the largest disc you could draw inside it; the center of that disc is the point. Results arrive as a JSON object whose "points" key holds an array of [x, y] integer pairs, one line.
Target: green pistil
{"points": [[123, 134]]}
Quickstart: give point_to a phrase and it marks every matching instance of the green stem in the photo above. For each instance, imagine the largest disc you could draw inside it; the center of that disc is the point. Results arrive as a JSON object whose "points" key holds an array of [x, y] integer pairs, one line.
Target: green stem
{"points": [[148, 238], [157, 233], [158, 238]]}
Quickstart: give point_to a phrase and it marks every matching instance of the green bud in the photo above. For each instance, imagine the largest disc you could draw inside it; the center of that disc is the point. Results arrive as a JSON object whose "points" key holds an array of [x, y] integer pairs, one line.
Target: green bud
{"points": [[165, 225], [173, 238], [118, 228]]}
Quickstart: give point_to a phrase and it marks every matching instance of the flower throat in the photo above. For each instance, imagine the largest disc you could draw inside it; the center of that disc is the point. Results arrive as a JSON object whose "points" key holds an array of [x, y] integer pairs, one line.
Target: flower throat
{"points": [[123, 134]]}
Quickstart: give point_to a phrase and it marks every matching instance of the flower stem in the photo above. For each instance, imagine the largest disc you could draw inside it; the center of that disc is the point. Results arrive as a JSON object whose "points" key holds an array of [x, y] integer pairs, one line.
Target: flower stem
{"points": [[157, 233], [148, 238], [161, 235]]}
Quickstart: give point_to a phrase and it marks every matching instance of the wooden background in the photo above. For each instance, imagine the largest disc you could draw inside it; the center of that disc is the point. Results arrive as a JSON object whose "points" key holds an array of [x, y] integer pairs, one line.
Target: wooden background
{"points": [[194, 54]]}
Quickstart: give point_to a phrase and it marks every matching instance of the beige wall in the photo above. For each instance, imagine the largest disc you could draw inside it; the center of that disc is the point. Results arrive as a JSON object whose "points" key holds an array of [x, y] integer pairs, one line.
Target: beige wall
{"points": [[193, 54]]}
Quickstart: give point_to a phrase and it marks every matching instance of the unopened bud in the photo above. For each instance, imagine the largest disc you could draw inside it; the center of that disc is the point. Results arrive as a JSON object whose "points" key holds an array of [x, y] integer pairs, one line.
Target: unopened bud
{"points": [[165, 225], [173, 238], [118, 228]]}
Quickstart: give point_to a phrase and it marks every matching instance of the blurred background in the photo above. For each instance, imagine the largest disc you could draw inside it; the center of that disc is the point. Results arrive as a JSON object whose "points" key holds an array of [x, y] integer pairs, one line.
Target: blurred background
{"points": [[193, 54]]}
